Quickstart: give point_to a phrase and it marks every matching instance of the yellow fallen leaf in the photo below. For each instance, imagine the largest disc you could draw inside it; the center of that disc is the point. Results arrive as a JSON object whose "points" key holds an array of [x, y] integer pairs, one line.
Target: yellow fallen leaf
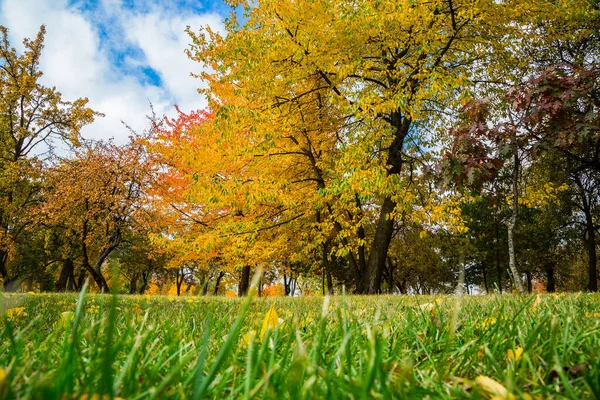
{"points": [[494, 388], [536, 303], [271, 321], [247, 338], [16, 312], [3, 383], [595, 315], [515, 354]]}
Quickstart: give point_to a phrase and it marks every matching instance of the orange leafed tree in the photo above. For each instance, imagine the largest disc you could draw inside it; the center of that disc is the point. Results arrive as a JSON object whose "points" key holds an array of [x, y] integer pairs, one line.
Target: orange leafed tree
{"points": [[96, 197]]}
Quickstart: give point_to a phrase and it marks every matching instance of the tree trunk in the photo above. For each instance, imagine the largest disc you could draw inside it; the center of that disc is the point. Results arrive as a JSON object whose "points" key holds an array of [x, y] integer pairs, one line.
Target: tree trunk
{"points": [[371, 279], [179, 280], [244, 281], [145, 278], [513, 219], [391, 268], [327, 270], [592, 260], [10, 283], [461, 273], [590, 236], [218, 282], [71, 283], [498, 269], [96, 276], [81, 279], [286, 285], [401, 286], [3, 270], [485, 282], [95, 271], [550, 283], [529, 283], [133, 283], [65, 272], [205, 287]]}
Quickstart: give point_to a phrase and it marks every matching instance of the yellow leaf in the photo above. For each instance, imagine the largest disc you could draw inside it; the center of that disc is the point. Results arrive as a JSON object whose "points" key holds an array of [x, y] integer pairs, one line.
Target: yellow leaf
{"points": [[492, 387], [66, 317], [3, 384], [515, 354], [247, 338], [536, 303], [16, 312], [271, 321]]}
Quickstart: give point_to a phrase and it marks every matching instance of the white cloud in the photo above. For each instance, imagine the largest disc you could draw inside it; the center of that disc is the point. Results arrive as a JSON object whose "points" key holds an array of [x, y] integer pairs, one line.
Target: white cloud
{"points": [[163, 41], [78, 63]]}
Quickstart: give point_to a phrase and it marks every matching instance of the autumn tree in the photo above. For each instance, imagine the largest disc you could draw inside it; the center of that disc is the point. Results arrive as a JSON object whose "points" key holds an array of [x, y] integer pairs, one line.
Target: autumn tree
{"points": [[33, 118], [384, 73], [95, 196]]}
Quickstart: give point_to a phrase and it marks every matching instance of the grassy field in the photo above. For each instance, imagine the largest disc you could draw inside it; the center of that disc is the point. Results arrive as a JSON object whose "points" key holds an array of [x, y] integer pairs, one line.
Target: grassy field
{"points": [[102, 346]]}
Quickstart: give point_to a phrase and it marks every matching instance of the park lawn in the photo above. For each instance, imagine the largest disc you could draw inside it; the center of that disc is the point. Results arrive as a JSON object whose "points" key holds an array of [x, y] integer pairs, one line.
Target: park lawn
{"points": [[67, 346]]}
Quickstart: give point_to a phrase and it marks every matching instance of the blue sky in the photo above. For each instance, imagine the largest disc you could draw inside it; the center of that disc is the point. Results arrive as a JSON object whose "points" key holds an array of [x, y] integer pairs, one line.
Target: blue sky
{"points": [[120, 54]]}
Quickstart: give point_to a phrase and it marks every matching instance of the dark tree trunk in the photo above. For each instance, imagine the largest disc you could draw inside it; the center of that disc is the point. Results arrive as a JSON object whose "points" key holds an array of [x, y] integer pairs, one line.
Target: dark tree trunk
{"points": [[327, 269], [95, 270], [133, 284], [179, 280], [65, 273], [590, 236], [81, 279], [286, 284], [10, 283], [529, 283], [71, 282], [218, 282], [96, 276], [371, 279], [401, 286], [550, 282], [391, 269], [3, 270], [145, 278], [498, 269], [592, 260], [244, 281]]}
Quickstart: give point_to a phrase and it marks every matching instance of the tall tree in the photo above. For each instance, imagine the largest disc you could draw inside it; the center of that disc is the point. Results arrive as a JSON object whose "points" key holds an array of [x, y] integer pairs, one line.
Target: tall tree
{"points": [[389, 68], [32, 119]]}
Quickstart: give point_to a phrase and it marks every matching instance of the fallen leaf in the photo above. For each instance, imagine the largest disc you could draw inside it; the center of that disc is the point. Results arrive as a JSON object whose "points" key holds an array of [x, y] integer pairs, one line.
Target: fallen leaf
{"points": [[515, 354], [492, 387], [271, 321]]}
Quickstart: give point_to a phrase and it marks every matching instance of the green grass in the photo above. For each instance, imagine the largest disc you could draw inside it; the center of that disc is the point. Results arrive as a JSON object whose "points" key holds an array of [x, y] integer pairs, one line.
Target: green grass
{"points": [[138, 347]]}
